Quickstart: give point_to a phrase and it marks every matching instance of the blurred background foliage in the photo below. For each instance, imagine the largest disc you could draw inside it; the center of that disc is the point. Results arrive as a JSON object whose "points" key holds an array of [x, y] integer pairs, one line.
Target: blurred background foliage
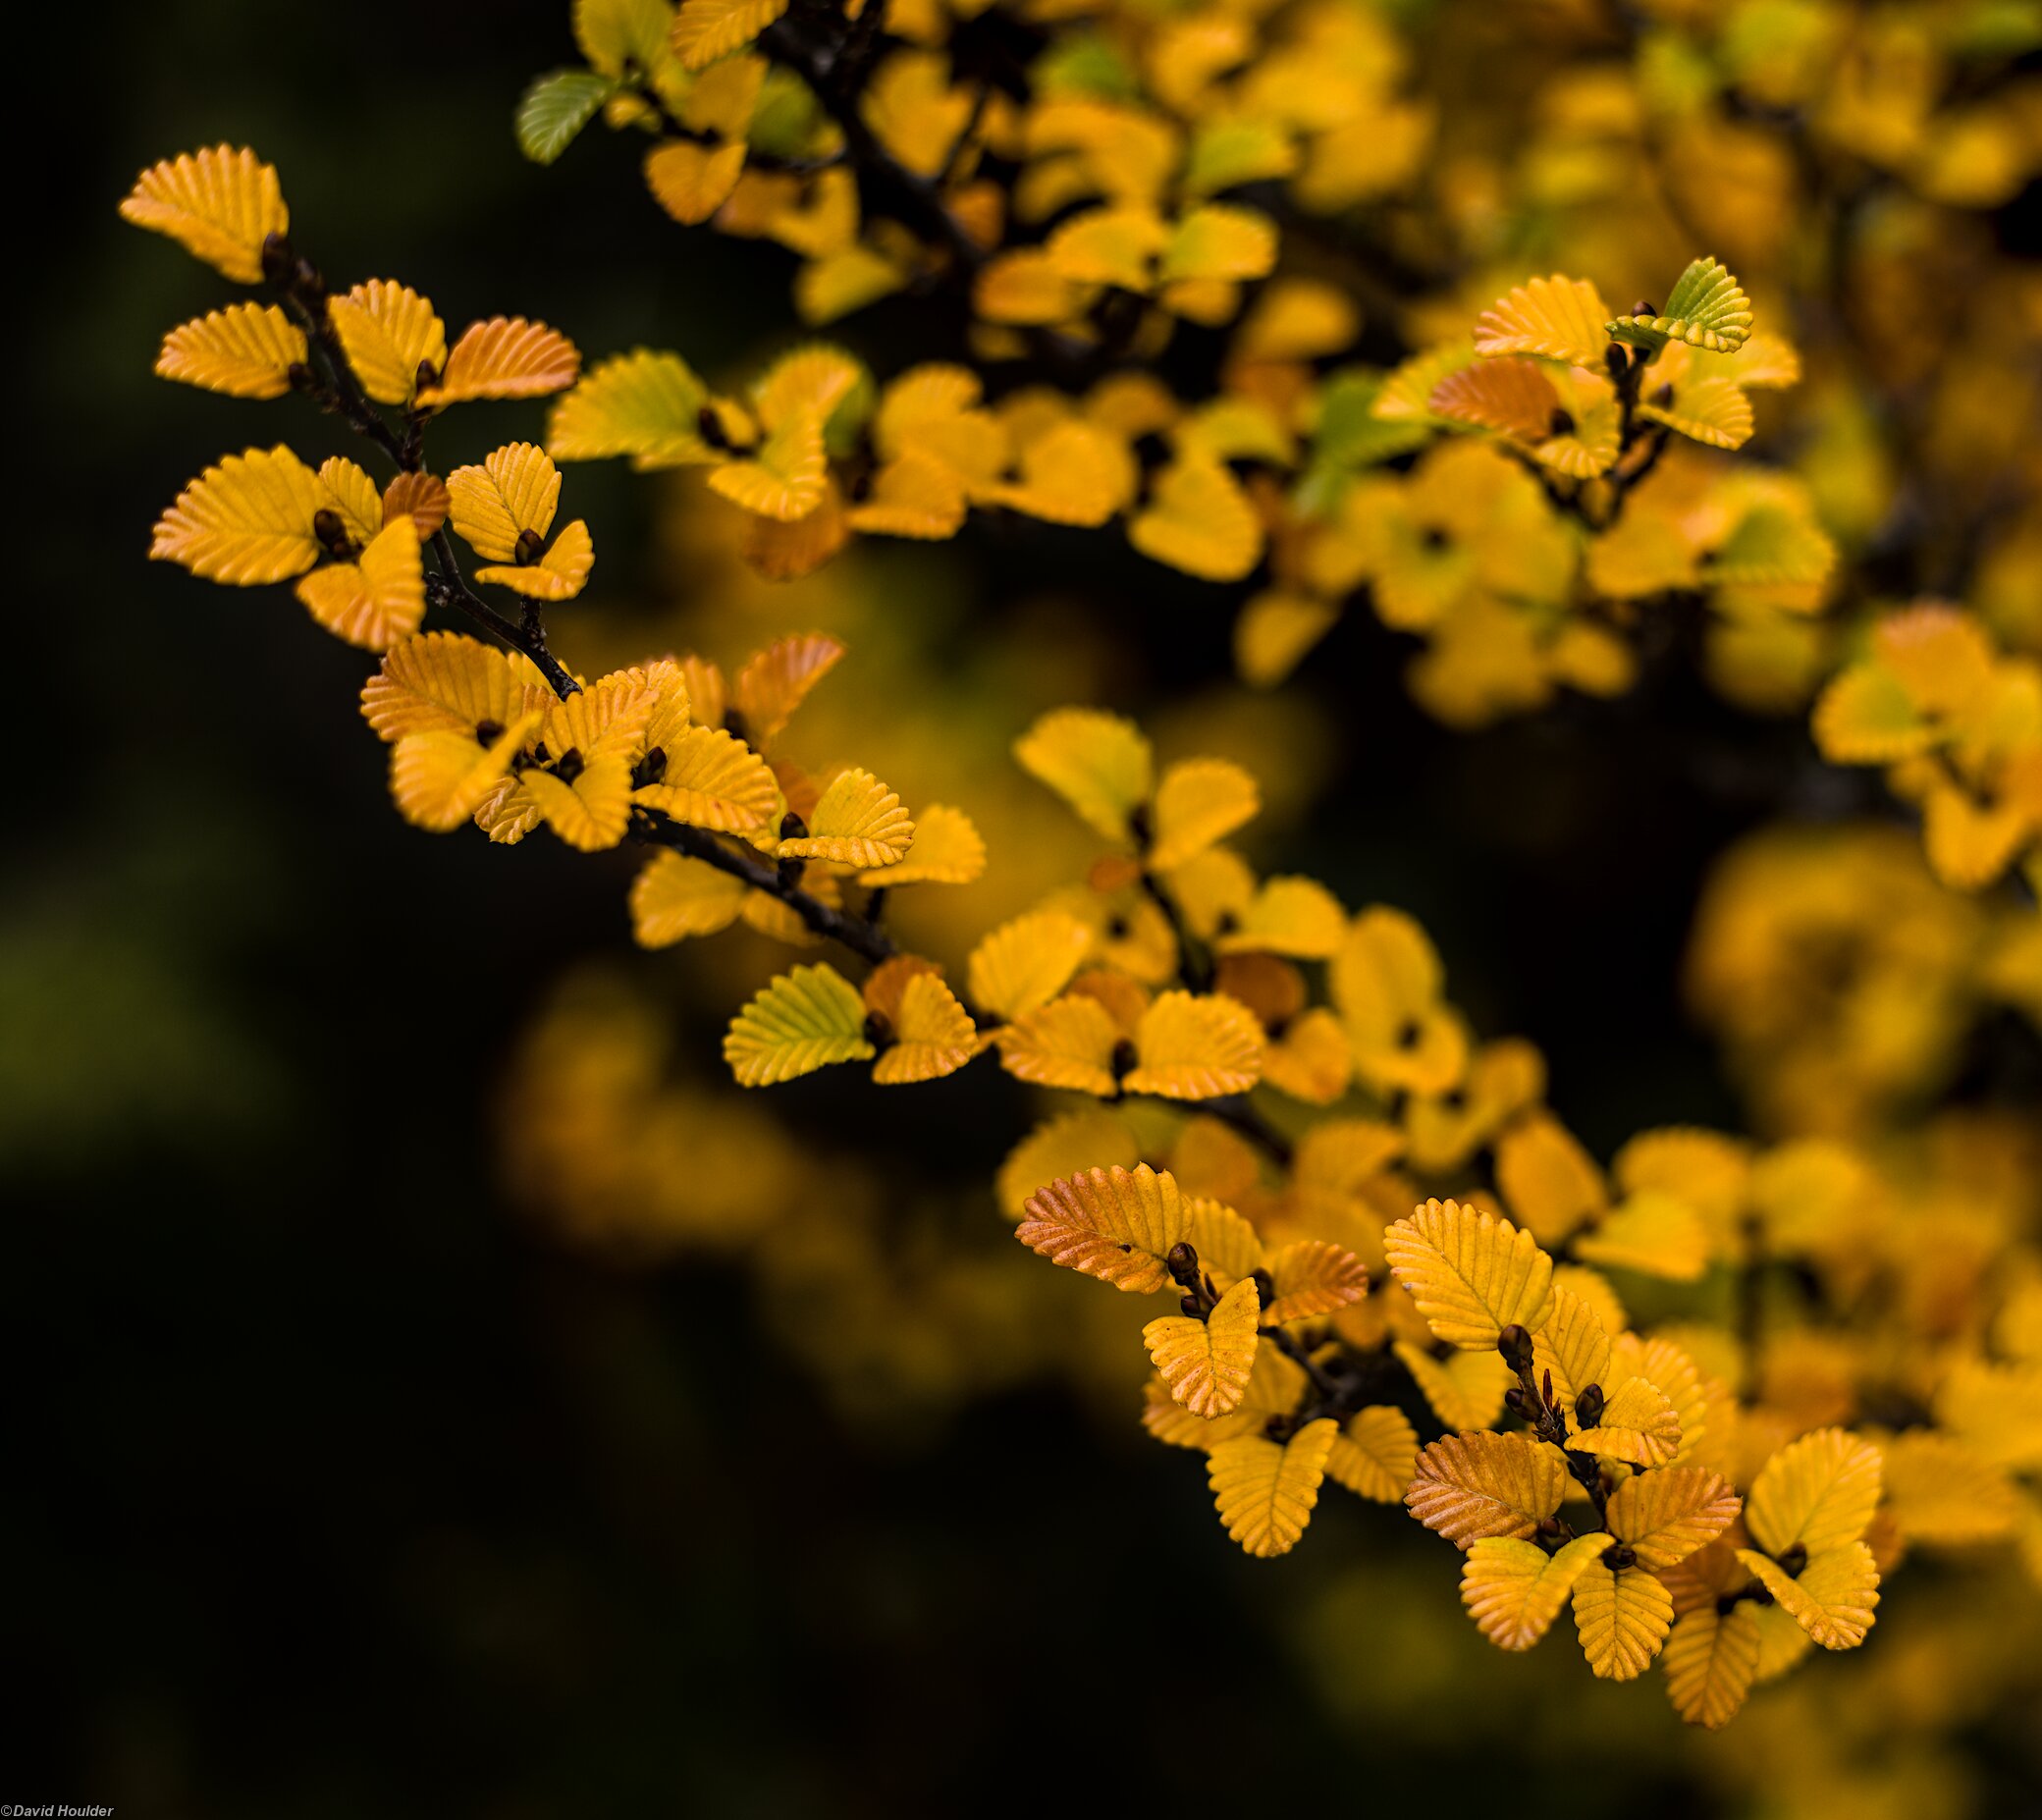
{"points": [[367, 1458]]}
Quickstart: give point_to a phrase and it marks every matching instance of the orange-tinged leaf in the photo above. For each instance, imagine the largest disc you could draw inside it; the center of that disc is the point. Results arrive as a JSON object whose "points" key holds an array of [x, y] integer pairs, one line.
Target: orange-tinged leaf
{"points": [[692, 181], [1115, 1224], [504, 357], [1312, 1061], [377, 600], [1514, 1590], [1097, 763], [858, 823], [1819, 1491], [517, 489], [706, 29], [776, 681], [1027, 288], [244, 523], [803, 1021], [1313, 1278], [1024, 964], [675, 897], [1514, 398], [218, 204], [1639, 1425], [1560, 318], [1472, 1485], [948, 849], [1470, 1273], [1374, 1455], [1832, 1598], [1192, 1048], [933, 1035], [1666, 1516], [1198, 521], [388, 332], [246, 350], [1206, 1363], [1711, 1661], [421, 497], [1068, 1043], [1200, 801], [1266, 1492], [711, 779], [1623, 1615]]}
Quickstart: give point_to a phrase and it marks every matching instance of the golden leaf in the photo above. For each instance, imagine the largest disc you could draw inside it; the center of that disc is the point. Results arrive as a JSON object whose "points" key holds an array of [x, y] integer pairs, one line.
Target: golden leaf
{"points": [[776, 681], [1197, 519], [218, 204], [789, 476], [1115, 1224], [948, 849], [1374, 1455], [1514, 398], [1572, 1346], [389, 332], [1091, 1137], [692, 181], [1465, 1389], [590, 809], [1314, 1278], [1273, 1388], [246, 521], [1819, 1493], [1025, 963], [1470, 1273], [517, 489], [706, 29], [1833, 1597], [1069, 1042], [1219, 240], [1097, 763], [378, 599], [1943, 1491], [438, 779], [1560, 318], [1206, 1363], [675, 897], [1200, 801], [858, 823], [933, 1035], [1073, 473], [1623, 1615], [1666, 1516], [1711, 1660], [1638, 1425], [421, 497], [504, 357], [560, 574], [1227, 1246], [449, 682], [803, 1020], [1472, 1485], [642, 405], [1192, 1048], [1514, 1590], [709, 779], [246, 350], [1266, 1492], [1652, 1233]]}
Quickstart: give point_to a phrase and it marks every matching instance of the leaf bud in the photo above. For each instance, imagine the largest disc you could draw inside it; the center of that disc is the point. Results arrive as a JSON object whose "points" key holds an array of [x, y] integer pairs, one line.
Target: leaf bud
{"points": [[1588, 1405]]}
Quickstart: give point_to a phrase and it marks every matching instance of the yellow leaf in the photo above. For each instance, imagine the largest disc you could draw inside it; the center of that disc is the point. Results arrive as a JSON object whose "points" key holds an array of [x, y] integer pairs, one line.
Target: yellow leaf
{"points": [[803, 1021], [448, 682], [1651, 1233], [1714, 411], [515, 490], [389, 332], [377, 600], [915, 494], [1266, 1492], [1551, 1183], [1200, 801], [1514, 1590], [588, 809], [946, 850], [1219, 241], [1375, 1454], [246, 521], [1560, 318], [218, 204], [1573, 1346], [1470, 1485], [1192, 1048], [1817, 1492], [1275, 630], [706, 29], [1274, 1387], [1623, 1615], [1206, 1363], [1833, 1597], [1470, 1273], [1097, 763], [1465, 1389], [246, 350], [1072, 473], [711, 779], [643, 405], [675, 897], [1091, 1137], [504, 357], [1024, 964], [692, 181], [1313, 1278], [786, 479], [1312, 1060], [858, 823], [1115, 1224], [438, 778], [559, 572], [1109, 247], [1711, 1660], [931, 1034], [1943, 1492], [1197, 519], [1638, 1425], [1025, 287], [1667, 1515], [1069, 1042]]}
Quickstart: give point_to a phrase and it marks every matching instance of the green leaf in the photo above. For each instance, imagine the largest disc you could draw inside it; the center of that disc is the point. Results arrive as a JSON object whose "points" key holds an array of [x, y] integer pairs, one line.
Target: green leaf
{"points": [[1708, 309], [555, 108]]}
